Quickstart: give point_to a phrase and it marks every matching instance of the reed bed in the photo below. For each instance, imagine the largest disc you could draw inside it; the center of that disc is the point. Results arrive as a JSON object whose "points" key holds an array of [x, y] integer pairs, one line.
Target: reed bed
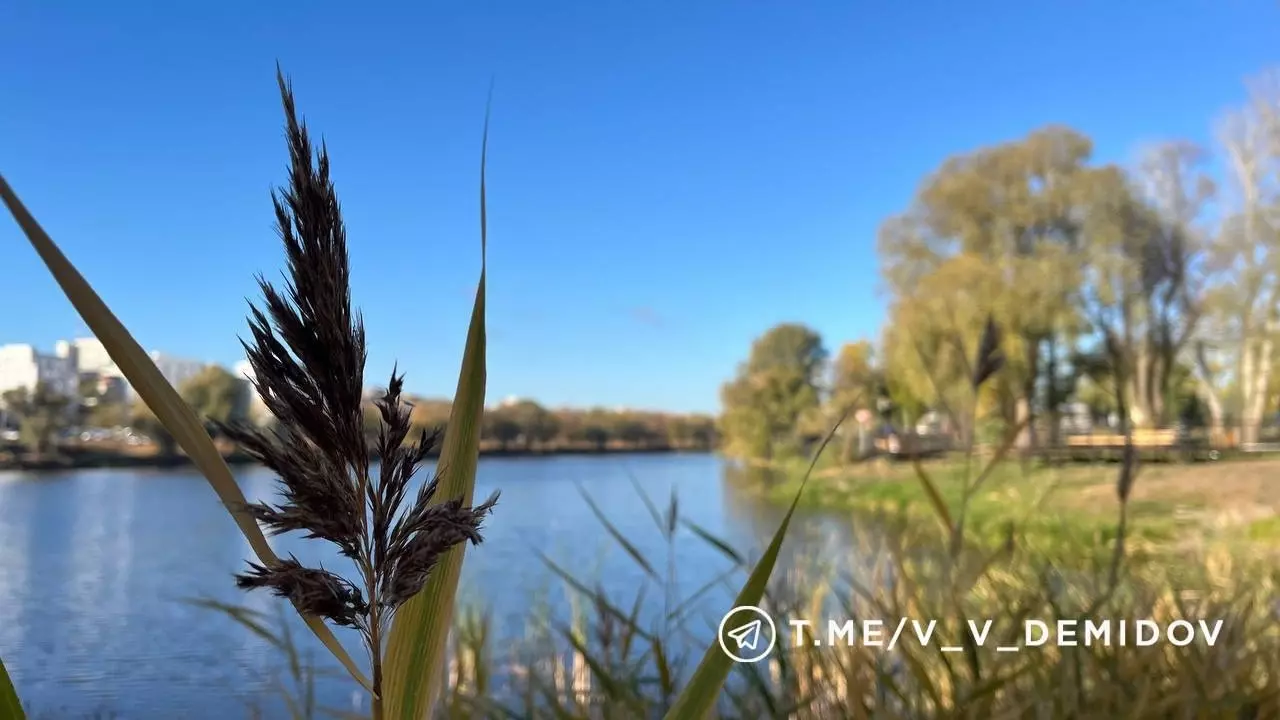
{"points": [[603, 661]]}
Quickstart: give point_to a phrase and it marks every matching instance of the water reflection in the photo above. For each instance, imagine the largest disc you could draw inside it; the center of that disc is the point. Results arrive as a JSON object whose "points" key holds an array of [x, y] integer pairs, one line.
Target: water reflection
{"points": [[17, 525]]}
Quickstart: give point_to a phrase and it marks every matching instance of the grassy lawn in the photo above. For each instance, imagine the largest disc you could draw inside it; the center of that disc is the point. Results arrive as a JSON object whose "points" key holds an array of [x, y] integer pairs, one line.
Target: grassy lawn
{"points": [[1172, 506]]}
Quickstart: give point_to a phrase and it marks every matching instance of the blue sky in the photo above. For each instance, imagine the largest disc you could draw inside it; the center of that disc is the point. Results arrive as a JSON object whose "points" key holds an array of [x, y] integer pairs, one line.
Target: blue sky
{"points": [[667, 180]]}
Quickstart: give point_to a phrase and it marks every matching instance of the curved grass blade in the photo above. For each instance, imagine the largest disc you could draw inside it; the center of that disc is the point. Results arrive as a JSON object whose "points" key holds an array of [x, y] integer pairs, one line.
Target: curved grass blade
{"points": [[617, 535], [720, 545], [935, 497], [10, 707], [699, 696], [248, 618], [420, 630], [169, 407]]}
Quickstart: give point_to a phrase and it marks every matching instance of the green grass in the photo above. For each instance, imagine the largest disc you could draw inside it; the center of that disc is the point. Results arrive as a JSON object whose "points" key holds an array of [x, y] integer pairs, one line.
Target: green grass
{"points": [[1048, 508]]}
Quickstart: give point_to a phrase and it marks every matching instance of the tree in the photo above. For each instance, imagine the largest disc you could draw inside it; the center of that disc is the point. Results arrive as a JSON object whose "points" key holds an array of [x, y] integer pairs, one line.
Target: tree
{"points": [[500, 426], [1245, 257], [41, 415], [108, 415], [145, 421], [597, 434], [216, 395], [1014, 208], [855, 379], [536, 424], [690, 431], [773, 390], [1142, 270], [429, 414]]}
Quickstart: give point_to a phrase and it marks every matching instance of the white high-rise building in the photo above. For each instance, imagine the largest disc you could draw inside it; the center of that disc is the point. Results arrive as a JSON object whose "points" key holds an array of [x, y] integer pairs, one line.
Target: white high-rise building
{"points": [[176, 370], [22, 366], [92, 358]]}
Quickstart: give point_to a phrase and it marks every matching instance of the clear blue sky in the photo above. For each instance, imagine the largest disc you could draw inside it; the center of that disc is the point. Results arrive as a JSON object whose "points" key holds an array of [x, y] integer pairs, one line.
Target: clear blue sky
{"points": [[667, 179]]}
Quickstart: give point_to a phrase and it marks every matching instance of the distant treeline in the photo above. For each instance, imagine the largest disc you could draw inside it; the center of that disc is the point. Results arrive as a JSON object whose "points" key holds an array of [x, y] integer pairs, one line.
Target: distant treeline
{"points": [[45, 420], [526, 425]]}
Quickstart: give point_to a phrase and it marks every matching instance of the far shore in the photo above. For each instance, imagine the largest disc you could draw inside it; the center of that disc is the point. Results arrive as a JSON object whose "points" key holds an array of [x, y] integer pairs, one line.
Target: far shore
{"points": [[86, 460]]}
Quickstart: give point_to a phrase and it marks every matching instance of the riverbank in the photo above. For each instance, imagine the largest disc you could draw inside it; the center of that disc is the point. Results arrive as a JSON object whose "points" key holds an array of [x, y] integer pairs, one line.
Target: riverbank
{"points": [[88, 459], [1172, 506]]}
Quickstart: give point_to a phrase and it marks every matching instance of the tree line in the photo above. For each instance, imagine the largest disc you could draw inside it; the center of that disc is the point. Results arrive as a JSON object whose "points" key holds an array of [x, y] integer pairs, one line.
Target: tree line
{"points": [[525, 425], [1147, 291], [217, 395]]}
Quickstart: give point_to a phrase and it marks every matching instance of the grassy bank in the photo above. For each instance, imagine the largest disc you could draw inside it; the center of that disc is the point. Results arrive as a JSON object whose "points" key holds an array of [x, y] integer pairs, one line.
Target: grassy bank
{"points": [[1056, 509]]}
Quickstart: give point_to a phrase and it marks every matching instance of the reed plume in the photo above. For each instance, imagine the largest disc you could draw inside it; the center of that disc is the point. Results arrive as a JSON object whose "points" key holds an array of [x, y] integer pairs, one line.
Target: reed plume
{"points": [[307, 352]]}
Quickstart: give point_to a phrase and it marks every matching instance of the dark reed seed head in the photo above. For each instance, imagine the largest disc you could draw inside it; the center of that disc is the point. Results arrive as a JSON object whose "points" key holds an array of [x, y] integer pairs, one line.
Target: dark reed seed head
{"points": [[307, 352], [400, 462], [422, 537], [313, 591], [318, 495], [990, 357]]}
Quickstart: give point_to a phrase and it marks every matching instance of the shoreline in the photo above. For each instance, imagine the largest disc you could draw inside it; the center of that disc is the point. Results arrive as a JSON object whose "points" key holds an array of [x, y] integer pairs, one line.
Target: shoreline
{"points": [[105, 460], [1174, 506]]}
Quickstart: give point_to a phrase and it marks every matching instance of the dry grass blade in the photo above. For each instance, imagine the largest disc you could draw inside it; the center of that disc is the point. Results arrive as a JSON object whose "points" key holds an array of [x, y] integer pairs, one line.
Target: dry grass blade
{"points": [[10, 707], [420, 631], [1010, 439], [176, 416], [252, 620], [935, 498]]}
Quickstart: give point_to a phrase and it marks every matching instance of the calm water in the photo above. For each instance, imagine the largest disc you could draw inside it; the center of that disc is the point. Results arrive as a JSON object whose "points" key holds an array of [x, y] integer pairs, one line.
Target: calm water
{"points": [[94, 564]]}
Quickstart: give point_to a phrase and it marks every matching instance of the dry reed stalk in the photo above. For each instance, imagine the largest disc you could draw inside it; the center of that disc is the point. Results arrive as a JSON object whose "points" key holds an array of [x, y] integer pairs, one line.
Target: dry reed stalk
{"points": [[308, 357]]}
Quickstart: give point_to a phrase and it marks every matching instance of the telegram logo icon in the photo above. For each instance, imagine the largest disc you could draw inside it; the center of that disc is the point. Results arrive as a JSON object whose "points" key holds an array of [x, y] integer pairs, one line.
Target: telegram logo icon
{"points": [[747, 634]]}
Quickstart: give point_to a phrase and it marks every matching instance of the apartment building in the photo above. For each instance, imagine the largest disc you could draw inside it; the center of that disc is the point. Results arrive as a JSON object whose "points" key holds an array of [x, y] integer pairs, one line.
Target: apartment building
{"points": [[92, 357], [176, 370], [23, 366]]}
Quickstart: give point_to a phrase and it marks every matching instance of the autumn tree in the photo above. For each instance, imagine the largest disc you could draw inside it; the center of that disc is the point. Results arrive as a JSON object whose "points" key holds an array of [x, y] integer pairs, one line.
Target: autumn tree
{"points": [[216, 395], [856, 381], [536, 424], [1244, 295], [777, 385], [690, 431], [144, 420], [41, 414], [1142, 269], [1015, 209], [500, 426]]}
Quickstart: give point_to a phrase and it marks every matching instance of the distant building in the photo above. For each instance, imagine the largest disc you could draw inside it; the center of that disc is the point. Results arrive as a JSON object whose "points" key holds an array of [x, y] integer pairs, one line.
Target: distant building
{"points": [[22, 366], [92, 358], [176, 370], [257, 409]]}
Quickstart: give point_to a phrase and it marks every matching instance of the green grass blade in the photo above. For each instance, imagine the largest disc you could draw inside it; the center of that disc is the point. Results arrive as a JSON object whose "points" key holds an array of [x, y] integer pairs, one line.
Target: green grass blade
{"points": [[420, 631], [723, 547], [617, 535], [699, 696], [10, 707], [935, 497], [169, 407]]}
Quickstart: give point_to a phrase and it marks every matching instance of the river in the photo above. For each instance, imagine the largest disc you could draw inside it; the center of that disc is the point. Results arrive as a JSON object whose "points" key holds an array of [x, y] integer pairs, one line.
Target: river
{"points": [[94, 565]]}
